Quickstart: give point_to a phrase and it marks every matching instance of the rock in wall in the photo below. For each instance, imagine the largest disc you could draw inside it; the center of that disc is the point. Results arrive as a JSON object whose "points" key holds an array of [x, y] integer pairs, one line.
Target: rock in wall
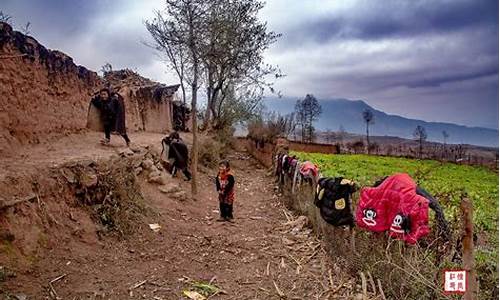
{"points": [[44, 93]]}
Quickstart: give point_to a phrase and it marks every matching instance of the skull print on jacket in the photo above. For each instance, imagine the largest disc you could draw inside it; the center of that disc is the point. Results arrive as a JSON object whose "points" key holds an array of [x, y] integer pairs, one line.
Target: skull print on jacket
{"points": [[395, 206]]}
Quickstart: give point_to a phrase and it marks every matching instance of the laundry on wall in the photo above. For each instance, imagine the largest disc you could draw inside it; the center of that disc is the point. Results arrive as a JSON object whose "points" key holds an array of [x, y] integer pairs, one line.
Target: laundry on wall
{"points": [[395, 204]]}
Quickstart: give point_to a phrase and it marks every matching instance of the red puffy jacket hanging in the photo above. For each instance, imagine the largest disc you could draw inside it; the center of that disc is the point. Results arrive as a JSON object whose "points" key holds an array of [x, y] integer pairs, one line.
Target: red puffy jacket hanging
{"points": [[394, 205], [308, 169]]}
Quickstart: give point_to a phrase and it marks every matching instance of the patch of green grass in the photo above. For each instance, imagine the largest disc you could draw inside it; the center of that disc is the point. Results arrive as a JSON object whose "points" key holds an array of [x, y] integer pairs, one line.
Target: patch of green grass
{"points": [[446, 181]]}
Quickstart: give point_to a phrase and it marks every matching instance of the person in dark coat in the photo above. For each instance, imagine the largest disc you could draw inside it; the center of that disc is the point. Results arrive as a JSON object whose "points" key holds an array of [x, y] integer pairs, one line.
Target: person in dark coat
{"points": [[224, 183], [112, 108], [178, 155]]}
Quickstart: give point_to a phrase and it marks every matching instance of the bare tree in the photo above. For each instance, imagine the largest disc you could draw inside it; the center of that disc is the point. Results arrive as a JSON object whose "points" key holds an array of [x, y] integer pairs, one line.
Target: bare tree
{"points": [[356, 146], [301, 120], [445, 138], [181, 29], [368, 118], [106, 68], [270, 126], [173, 54], [308, 110], [239, 107], [341, 134], [329, 135], [290, 124], [233, 56], [5, 18], [26, 29], [420, 134]]}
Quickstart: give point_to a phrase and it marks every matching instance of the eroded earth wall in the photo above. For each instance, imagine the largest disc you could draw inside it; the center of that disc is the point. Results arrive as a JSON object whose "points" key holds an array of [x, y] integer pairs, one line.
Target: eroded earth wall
{"points": [[44, 94]]}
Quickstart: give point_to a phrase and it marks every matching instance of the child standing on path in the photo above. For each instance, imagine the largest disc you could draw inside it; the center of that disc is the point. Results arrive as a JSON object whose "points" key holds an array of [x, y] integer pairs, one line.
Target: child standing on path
{"points": [[225, 186]]}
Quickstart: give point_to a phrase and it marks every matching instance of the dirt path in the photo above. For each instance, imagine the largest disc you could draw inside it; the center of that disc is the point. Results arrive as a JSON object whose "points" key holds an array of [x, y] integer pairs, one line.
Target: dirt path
{"points": [[267, 253], [69, 148]]}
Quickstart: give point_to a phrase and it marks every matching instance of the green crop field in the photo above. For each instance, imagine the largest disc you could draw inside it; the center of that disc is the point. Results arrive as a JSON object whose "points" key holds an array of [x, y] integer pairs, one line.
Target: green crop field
{"points": [[446, 181]]}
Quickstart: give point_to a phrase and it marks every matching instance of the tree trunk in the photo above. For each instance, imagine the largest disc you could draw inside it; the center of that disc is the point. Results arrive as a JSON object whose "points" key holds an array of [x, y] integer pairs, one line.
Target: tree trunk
{"points": [[194, 94], [194, 151], [303, 133], [183, 89], [206, 120], [420, 149], [367, 138], [310, 129], [444, 150]]}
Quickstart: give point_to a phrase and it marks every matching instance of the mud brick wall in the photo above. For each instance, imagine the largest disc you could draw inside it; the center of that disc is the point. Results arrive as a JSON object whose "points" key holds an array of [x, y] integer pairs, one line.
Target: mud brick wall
{"points": [[43, 92], [313, 148], [263, 152]]}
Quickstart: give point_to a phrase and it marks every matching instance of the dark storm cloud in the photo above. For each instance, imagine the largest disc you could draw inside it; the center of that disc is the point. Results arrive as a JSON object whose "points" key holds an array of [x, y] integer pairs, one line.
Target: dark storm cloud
{"points": [[93, 32], [369, 20], [442, 55], [66, 17], [433, 59], [438, 80]]}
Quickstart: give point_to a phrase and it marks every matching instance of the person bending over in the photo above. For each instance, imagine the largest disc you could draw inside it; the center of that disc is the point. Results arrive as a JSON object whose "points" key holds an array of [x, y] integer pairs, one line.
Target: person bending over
{"points": [[112, 114]]}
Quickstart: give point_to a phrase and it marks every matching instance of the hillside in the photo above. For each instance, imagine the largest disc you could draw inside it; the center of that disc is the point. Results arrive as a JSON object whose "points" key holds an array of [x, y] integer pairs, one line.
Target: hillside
{"points": [[348, 113]]}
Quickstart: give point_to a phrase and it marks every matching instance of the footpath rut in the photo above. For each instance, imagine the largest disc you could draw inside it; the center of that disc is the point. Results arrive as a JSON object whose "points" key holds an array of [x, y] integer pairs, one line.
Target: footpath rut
{"points": [[267, 253]]}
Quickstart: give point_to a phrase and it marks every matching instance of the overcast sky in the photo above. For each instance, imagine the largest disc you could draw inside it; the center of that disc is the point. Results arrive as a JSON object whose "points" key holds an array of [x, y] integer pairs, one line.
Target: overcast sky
{"points": [[432, 60]]}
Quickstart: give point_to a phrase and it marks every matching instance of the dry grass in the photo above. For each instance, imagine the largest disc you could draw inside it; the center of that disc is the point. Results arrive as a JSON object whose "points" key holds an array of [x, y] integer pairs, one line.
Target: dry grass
{"points": [[116, 201], [404, 272]]}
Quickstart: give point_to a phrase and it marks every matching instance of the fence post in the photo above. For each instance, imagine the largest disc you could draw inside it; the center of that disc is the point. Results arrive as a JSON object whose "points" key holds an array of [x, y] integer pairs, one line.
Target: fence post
{"points": [[468, 249]]}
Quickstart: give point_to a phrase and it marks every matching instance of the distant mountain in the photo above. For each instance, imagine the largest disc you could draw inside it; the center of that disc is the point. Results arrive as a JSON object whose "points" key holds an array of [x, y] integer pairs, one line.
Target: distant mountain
{"points": [[348, 113]]}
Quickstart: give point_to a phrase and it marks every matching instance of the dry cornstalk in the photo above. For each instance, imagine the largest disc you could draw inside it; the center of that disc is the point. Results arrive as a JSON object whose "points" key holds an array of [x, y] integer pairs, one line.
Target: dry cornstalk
{"points": [[282, 264], [58, 278], [294, 259], [330, 277], [337, 289], [52, 287], [280, 293], [363, 285], [309, 258], [286, 215], [138, 284], [372, 283], [380, 289], [268, 271]]}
